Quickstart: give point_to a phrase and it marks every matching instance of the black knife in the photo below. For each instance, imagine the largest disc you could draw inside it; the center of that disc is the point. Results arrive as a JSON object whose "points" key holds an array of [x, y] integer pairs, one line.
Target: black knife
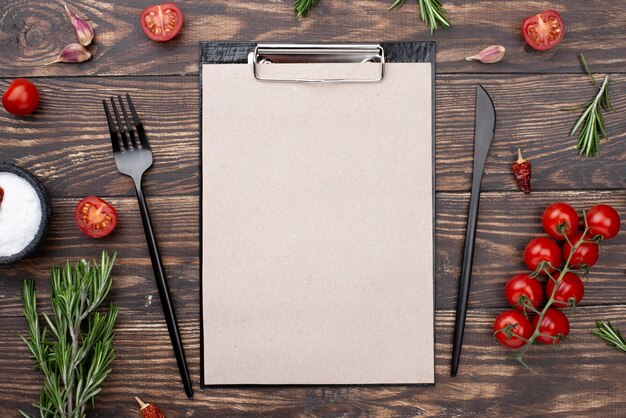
{"points": [[484, 128]]}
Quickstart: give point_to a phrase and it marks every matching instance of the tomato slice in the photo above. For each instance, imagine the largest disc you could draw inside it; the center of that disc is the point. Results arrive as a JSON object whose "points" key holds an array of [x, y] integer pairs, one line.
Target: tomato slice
{"points": [[544, 30], [161, 22], [95, 217]]}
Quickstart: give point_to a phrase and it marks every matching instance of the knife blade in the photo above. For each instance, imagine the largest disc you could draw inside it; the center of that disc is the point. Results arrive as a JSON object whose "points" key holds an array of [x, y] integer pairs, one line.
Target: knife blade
{"points": [[484, 129]]}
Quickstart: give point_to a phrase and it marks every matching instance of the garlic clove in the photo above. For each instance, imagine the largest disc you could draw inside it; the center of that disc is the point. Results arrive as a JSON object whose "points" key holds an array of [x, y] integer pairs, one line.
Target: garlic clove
{"points": [[489, 55], [84, 31], [72, 53]]}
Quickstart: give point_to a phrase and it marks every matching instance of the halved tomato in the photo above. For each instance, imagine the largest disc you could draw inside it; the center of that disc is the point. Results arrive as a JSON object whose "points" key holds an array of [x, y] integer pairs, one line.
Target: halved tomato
{"points": [[544, 30], [161, 22], [95, 217]]}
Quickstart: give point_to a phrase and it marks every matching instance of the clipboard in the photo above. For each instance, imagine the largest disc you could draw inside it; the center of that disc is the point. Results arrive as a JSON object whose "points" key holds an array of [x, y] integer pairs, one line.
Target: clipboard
{"points": [[317, 244]]}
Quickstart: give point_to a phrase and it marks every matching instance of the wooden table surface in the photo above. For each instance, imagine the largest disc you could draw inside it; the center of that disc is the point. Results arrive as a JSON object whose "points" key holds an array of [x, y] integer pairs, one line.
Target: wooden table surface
{"points": [[66, 144]]}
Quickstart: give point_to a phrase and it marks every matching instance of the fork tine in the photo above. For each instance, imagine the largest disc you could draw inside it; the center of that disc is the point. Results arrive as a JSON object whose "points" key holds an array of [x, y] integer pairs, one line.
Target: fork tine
{"points": [[129, 127], [115, 140], [140, 132], [119, 124]]}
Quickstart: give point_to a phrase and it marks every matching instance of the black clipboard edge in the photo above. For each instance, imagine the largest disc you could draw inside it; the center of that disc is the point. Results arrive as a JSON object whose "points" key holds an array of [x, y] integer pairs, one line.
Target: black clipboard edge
{"points": [[232, 52], [237, 52]]}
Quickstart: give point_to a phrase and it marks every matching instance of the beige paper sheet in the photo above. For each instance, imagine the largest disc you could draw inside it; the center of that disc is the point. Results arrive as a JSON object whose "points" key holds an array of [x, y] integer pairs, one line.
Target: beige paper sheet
{"points": [[317, 238]]}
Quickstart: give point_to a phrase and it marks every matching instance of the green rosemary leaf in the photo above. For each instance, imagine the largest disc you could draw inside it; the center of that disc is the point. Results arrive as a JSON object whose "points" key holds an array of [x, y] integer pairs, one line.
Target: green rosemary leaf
{"points": [[611, 335], [303, 7], [580, 120], [600, 118], [605, 101], [583, 61], [395, 4], [77, 359]]}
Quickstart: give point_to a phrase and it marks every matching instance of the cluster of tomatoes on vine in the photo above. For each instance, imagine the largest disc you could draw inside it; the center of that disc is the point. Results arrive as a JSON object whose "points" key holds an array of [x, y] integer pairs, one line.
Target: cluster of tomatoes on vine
{"points": [[561, 269]]}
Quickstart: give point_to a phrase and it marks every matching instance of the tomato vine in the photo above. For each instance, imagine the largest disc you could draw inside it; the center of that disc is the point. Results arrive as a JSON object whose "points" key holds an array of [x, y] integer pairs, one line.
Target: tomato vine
{"points": [[548, 317]]}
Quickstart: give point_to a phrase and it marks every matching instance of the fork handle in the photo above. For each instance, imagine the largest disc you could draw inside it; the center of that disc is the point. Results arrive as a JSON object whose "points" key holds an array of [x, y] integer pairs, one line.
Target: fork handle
{"points": [[164, 293]]}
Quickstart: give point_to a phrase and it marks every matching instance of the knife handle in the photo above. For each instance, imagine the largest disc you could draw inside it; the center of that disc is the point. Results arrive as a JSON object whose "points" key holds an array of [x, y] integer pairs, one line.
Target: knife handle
{"points": [[466, 275]]}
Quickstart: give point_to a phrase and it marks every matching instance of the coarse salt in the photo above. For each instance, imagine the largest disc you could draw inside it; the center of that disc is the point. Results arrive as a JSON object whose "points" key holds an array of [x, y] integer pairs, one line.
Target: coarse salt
{"points": [[20, 214]]}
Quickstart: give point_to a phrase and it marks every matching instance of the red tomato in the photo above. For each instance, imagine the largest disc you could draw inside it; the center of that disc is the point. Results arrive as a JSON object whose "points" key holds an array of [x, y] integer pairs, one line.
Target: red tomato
{"points": [[554, 324], [21, 98], [569, 293], [161, 22], [511, 325], [560, 215], [603, 220], [542, 249], [523, 290], [543, 31], [587, 254], [95, 217]]}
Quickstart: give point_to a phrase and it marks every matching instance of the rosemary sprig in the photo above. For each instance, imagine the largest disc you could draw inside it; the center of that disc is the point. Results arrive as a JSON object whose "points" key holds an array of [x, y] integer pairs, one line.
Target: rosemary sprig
{"points": [[431, 12], [74, 357], [591, 120], [611, 335], [302, 7]]}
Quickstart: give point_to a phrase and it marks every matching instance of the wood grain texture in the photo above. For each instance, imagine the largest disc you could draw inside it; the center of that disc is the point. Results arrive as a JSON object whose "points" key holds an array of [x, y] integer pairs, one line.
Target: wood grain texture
{"points": [[507, 221], [66, 142], [581, 379], [33, 31]]}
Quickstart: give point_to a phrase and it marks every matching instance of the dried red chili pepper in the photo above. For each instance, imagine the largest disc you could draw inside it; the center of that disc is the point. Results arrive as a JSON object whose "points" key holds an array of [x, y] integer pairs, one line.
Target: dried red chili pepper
{"points": [[1, 195], [149, 410], [521, 169]]}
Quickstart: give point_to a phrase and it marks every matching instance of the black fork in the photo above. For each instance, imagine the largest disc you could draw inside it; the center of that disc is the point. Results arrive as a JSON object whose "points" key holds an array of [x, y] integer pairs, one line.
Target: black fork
{"points": [[133, 157]]}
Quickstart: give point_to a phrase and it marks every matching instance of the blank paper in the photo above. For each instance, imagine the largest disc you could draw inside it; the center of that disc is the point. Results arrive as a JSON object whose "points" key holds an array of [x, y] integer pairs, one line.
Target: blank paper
{"points": [[317, 226]]}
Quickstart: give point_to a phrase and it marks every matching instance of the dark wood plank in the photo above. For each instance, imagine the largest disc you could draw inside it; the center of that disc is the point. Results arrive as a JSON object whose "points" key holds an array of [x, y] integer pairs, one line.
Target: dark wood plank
{"points": [[32, 32], [579, 379], [507, 221], [529, 116], [66, 143]]}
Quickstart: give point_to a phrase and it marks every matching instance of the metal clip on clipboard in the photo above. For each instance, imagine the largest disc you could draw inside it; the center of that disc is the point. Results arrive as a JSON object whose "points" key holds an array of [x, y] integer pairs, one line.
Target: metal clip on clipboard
{"points": [[318, 53]]}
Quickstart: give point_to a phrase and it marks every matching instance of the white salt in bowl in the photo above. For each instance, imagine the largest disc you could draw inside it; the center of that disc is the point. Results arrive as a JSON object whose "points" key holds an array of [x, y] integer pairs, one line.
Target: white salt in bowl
{"points": [[24, 213]]}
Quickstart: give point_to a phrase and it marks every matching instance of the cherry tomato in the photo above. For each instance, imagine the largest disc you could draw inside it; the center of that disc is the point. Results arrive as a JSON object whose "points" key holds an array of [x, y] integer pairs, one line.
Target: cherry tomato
{"points": [[560, 215], [587, 254], [21, 98], [95, 217], [603, 220], [522, 290], [542, 249], [544, 30], [569, 293], [161, 22], [554, 324], [511, 325]]}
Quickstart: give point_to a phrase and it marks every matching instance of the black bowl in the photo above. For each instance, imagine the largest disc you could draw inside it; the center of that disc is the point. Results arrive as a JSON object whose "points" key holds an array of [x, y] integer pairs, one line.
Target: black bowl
{"points": [[46, 211]]}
